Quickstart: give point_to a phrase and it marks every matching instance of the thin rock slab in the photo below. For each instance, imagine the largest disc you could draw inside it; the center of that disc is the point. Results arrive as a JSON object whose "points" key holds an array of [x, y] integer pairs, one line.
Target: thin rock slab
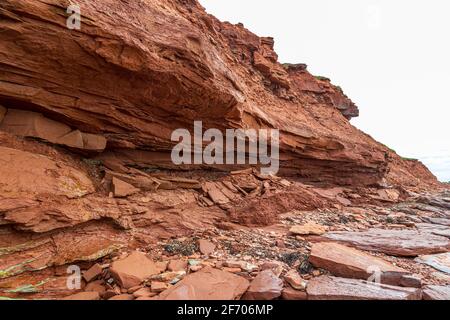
{"points": [[346, 262], [265, 286], [406, 243], [438, 230], [133, 270], [436, 293], [333, 288], [440, 262], [207, 284]]}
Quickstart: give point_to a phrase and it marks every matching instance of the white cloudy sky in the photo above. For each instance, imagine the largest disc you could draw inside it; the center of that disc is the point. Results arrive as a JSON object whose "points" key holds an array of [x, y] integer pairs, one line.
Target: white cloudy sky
{"points": [[391, 57]]}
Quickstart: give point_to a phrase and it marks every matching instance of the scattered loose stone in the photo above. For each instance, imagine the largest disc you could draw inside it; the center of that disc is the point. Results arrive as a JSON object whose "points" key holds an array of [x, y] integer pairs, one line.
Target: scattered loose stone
{"points": [[122, 189], [295, 280], [309, 228], [93, 272], [346, 262], [133, 270], [332, 288], [207, 284], [206, 247], [171, 277], [275, 266], [266, 286], [157, 286], [177, 265]]}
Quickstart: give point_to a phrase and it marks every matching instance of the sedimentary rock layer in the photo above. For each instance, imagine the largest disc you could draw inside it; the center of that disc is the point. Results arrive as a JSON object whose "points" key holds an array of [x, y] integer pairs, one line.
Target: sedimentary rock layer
{"points": [[134, 65]]}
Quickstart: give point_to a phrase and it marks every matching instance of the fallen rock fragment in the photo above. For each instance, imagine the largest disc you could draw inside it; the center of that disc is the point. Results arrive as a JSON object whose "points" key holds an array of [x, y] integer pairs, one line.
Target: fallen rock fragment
{"points": [[177, 265], [436, 293], [411, 281], [408, 243], [346, 262], [122, 189], [440, 262], [333, 288], [133, 270], [92, 273], [309, 228], [215, 194], [83, 296], [207, 284], [157, 286], [206, 247], [295, 280], [265, 286], [275, 266]]}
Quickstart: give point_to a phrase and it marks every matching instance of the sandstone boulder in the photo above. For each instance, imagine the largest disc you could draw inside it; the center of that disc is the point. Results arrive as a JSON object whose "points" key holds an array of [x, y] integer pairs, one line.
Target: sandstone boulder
{"points": [[332, 288], [207, 284], [265, 286], [408, 243], [346, 262], [206, 247], [92, 273], [177, 265], [133, 270], [295, 280]]}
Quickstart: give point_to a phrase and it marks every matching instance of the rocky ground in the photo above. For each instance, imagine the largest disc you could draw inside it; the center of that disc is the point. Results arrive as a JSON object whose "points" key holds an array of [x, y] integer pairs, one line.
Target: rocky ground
{"points": [[87, 182], [236, 236]]}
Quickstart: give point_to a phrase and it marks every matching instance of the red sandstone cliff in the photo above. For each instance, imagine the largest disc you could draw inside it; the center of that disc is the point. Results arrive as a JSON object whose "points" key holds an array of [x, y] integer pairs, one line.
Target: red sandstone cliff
{"points": [[86, 118], [136, 64]]}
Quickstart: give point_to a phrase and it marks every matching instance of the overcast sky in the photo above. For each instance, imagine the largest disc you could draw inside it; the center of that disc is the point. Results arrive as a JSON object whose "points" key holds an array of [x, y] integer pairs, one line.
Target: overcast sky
{"points": [[391, 57]]}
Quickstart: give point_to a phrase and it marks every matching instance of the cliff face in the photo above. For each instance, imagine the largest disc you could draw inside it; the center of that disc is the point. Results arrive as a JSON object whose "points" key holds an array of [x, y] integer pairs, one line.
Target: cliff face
{"points": [[86, 118], [136, 64]]}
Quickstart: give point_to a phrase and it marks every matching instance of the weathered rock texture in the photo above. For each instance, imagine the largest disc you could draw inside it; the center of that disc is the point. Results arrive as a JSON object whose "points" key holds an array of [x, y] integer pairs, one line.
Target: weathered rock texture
{"points": [[86, 118], [133, 65], [332, 288]]}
